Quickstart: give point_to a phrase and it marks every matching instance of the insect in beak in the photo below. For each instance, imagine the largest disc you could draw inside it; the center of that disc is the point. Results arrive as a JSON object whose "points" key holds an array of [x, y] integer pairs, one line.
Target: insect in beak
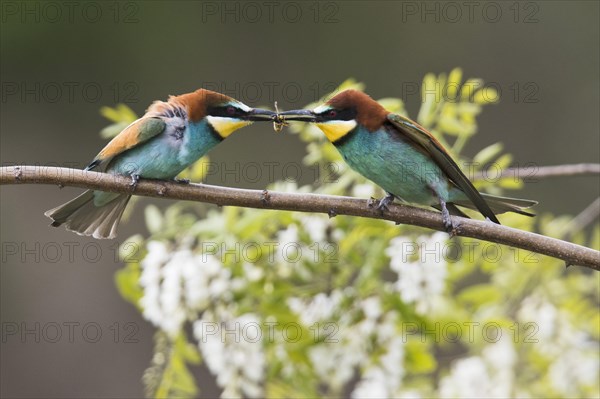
{"points": [[278, 120]]}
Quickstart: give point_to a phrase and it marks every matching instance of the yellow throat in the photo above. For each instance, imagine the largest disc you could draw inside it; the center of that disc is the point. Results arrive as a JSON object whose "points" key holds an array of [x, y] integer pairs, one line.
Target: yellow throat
{"points": [[334, 130], [226, 126]]}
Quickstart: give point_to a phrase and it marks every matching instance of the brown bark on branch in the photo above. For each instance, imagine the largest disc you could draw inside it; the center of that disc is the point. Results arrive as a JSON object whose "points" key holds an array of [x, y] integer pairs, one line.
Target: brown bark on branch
{"points": [[570, 253], [536, 172]]}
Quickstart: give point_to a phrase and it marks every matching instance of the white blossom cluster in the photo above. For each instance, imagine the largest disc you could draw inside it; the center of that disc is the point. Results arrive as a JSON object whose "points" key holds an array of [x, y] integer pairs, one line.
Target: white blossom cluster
{"points": [[383, 378], [490, 375], [349, 348], [179, 285], [423, 280], [574, 358], [287, 242], [574, 353], [179, 282], [236, 358], [305, 243]]}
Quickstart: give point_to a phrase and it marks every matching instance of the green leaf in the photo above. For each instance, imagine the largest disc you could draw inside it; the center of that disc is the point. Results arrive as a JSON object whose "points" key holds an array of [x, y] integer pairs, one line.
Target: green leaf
{"points": [[126, 280], [430, 96], [112, 130], [174, 378], [418, 357], [453, 85], [486, 95], [154, 219], [394, 105], [468, 90], [479, 294], [504, 161], [121, 113], [488, 154]]}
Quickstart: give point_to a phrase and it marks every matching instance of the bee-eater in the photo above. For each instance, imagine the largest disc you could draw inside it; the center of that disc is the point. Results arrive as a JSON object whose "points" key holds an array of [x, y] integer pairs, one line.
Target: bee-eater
{"points": [[401, 157], [168, 138]]}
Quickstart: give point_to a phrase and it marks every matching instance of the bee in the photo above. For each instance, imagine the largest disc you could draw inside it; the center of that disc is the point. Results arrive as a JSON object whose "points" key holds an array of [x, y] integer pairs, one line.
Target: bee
{"points": [[278, 120]]}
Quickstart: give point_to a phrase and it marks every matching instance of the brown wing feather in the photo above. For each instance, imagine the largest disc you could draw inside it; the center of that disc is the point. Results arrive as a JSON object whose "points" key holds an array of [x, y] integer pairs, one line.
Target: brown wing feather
{"points": [[423, 138], [137, 132]]}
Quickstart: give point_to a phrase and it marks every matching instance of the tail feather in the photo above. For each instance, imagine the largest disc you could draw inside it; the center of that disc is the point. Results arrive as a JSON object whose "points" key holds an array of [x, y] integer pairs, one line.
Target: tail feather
{"points": [[81, 216], [503, 204]]}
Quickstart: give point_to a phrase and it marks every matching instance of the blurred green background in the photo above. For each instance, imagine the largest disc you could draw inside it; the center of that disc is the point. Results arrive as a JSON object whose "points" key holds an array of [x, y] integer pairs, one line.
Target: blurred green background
{"points": [[60, 64]]}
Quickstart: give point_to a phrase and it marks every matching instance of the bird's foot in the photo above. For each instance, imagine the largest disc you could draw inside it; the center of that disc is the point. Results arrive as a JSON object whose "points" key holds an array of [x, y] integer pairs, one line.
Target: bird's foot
{"points": [[385, 202], [449, 226], [135, 178], [18, 173], [181, 181]]}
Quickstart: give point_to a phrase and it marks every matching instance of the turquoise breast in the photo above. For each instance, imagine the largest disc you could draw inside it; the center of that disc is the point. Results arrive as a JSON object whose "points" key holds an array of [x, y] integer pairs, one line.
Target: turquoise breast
{"points": [[393, 163], [163, 156]]}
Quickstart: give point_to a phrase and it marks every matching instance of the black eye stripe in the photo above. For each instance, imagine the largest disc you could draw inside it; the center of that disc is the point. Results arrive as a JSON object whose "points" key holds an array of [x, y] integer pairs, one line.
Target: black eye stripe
{"points": [[344, 114], [227, 111]]}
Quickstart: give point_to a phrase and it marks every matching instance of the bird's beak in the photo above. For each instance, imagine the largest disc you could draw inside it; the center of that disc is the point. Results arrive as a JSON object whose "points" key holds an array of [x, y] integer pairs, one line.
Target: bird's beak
{"points": [[257, 114], [297, 115]]}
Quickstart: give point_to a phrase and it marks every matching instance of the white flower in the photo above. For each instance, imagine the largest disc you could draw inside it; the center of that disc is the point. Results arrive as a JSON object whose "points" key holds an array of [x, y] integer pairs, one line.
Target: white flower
{"points": [[372, 385], [320, 308], [252, 272], [577, 359], [468, 379], [383, 378], [501, 355], [575, 368], [371, 307], [422, 281], [288, 236], [575, 356], [287, 255], [410, 394], [501, 358], [178, 284], [233, 352], [544, 314], [488, 376], [196, 281], [150, 280], [316, 227], [336, 363], [162, 306]]}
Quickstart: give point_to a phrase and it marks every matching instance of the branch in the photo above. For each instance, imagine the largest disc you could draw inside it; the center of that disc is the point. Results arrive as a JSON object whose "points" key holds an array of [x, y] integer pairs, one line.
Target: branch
{"points": [[533, 172], [581, 221], [571, 254]]}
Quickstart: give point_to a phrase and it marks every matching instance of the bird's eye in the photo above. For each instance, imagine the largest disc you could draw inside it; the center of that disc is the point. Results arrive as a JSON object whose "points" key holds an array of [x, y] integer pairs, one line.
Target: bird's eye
{"points": [[230, 110], [332, 113]]}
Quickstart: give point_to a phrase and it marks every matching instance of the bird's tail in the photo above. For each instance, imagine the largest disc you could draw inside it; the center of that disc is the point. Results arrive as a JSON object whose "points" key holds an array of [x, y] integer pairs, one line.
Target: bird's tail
{"points": [[503, 204], [81, 216]]}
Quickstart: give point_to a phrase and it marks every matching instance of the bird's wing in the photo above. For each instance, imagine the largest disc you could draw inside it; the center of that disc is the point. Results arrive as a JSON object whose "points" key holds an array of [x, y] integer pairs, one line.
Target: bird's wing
{"points": [[420, 136], [136, 133]]}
